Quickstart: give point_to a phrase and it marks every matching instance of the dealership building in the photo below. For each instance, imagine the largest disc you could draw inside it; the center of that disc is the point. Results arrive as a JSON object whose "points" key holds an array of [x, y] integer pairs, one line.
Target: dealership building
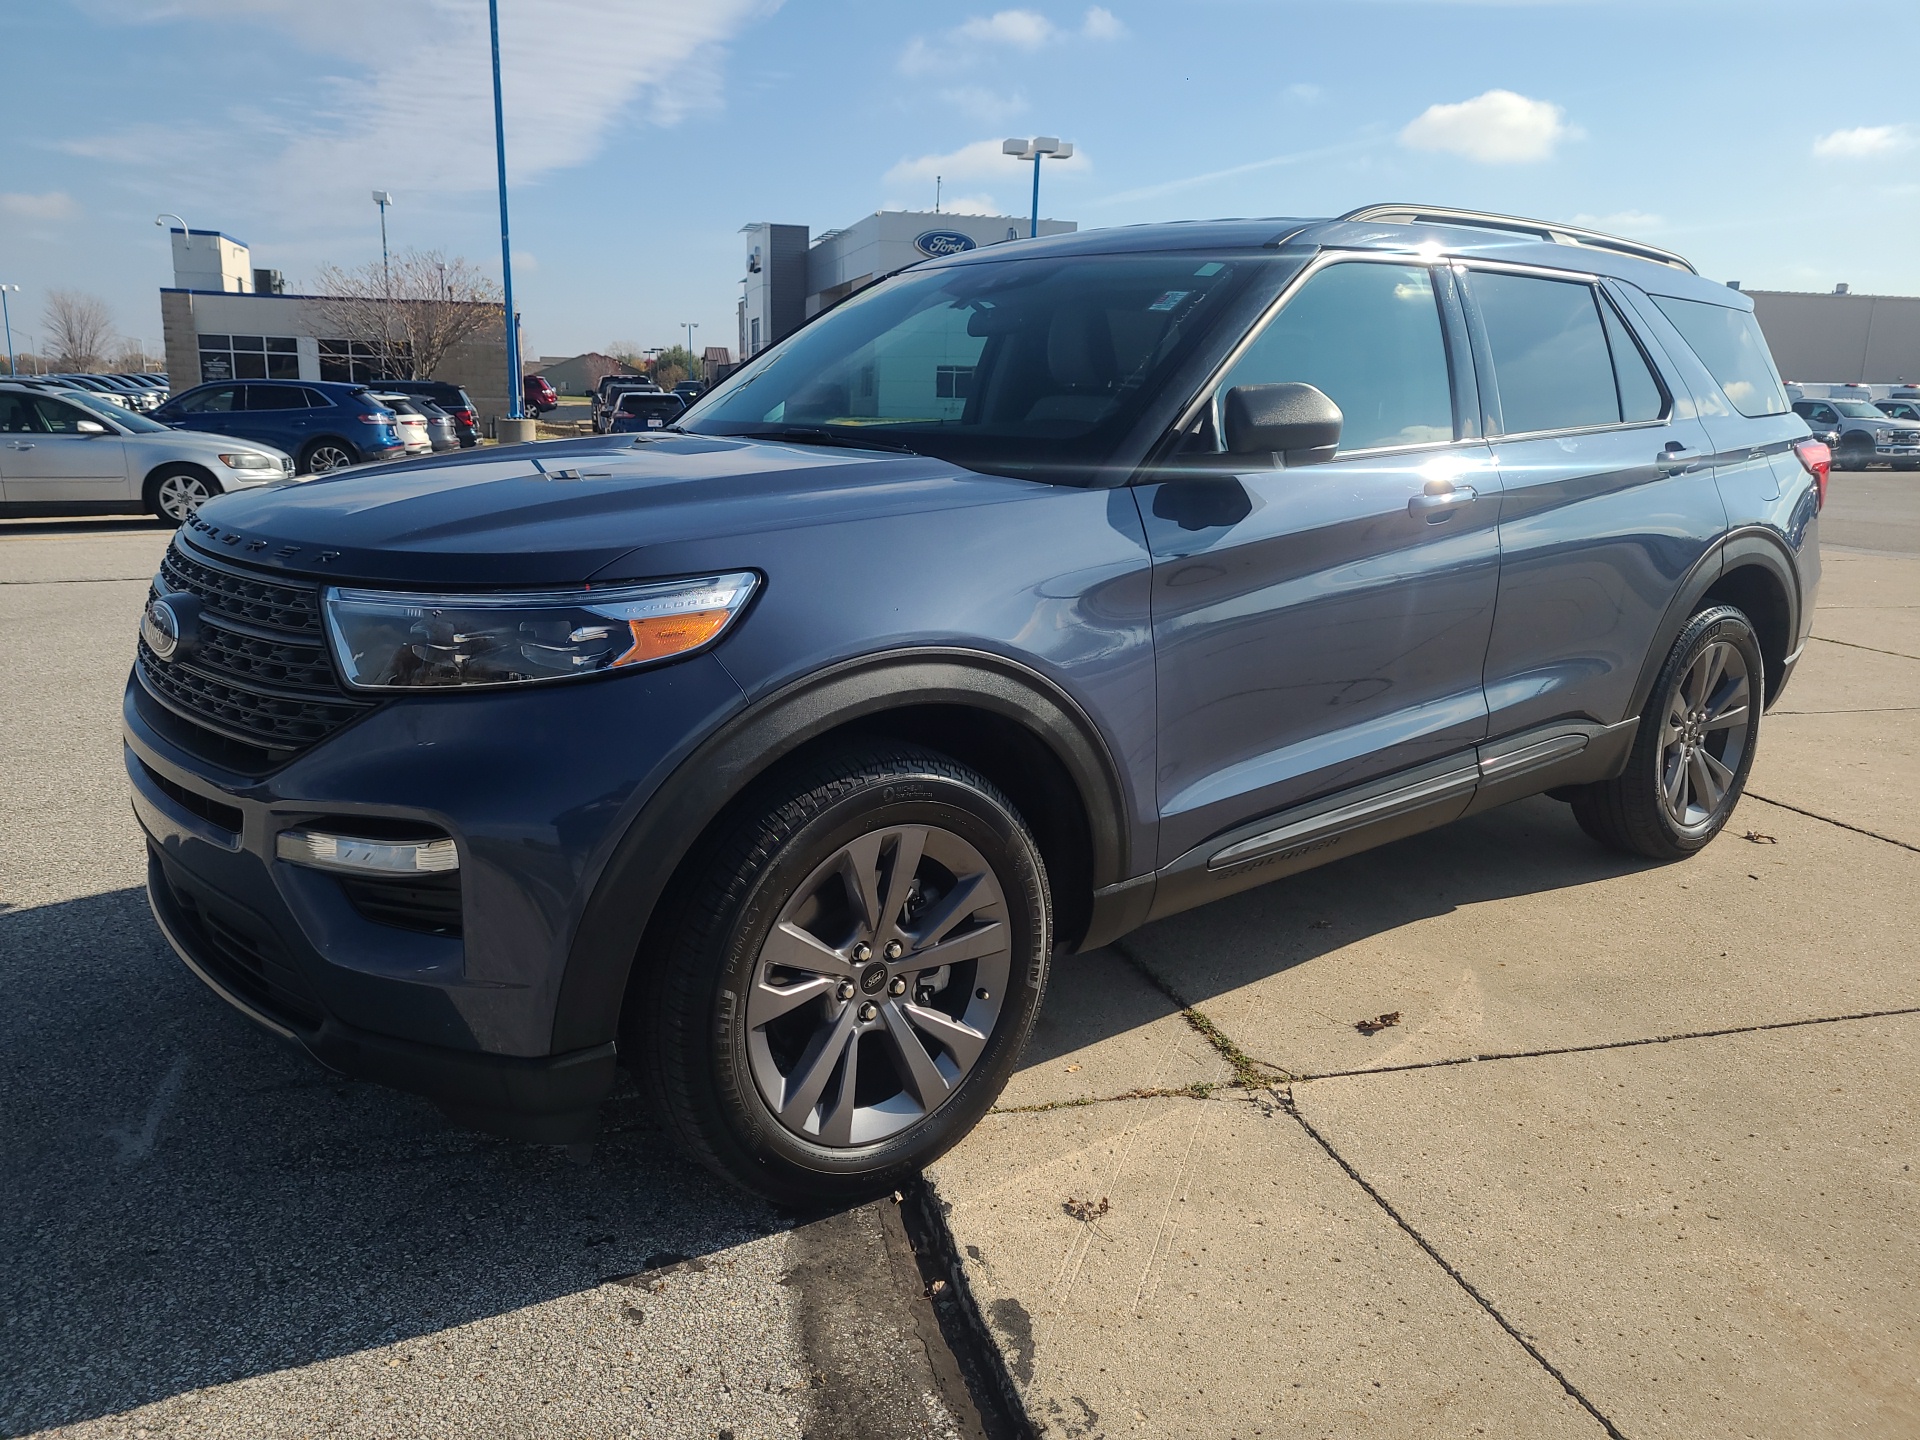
{"points": [[223, 319], [1841, 337], [792, 277]]}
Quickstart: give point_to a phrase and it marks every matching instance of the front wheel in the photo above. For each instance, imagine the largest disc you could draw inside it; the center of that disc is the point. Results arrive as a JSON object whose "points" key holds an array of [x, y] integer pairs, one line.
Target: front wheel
{"points": [[1693, 750], [177, 494], [850, 979], [323, 456]]}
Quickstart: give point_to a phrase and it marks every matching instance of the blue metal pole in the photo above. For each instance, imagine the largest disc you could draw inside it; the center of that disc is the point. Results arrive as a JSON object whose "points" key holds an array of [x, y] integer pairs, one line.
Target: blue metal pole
{"points": [[7, 313], [514, 411], [1034, 228]]}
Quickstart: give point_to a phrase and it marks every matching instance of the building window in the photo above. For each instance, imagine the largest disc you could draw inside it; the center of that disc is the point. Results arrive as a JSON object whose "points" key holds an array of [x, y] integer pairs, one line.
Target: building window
{"points": [[754, 349], [249, 357], [952, 382], [358, 362]]}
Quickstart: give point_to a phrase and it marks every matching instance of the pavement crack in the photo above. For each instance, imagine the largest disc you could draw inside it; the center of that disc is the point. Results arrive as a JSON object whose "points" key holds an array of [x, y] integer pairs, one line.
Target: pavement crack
{"points": [[1287, 1103], [1197, 1090], [1248, 1073], [1816, 815], [1612, 1044], [1872, 649]]}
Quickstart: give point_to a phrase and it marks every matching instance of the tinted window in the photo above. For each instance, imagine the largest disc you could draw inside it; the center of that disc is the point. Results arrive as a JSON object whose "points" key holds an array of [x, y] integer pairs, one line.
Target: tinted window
{"points": [[318, 399], [217, 400], [1823, 413], [1367, 336], [59, 418], [1640, 395], [1730, 345], [1550, 353], [276, 397], [16, 415]]}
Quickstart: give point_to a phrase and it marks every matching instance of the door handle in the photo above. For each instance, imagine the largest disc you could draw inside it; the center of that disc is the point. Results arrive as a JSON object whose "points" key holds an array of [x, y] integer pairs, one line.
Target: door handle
{"points": [[1676, 459], [1439, 504]]}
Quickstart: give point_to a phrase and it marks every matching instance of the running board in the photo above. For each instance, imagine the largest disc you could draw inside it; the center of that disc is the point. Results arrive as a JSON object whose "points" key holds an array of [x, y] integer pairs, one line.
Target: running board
{"points": [[1330, 824]]}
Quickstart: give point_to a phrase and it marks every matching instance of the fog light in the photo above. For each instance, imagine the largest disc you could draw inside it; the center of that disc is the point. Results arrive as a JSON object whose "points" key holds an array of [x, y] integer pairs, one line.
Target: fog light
{"points": [[357, 856]]}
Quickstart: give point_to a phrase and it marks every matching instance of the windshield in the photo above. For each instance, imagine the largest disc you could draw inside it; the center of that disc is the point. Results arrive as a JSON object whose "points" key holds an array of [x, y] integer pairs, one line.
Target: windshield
{"points": [[126, 419], [1857, 410], [1033, 367]]}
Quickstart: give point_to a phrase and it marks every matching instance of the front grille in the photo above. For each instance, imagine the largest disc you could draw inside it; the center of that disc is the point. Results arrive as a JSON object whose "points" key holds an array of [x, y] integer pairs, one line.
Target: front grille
{"points": [[260, 672]]}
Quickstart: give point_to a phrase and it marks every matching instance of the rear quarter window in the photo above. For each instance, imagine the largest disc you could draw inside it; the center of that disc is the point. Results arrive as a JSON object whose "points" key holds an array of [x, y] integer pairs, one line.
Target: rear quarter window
{"points": [[1730, 345]]}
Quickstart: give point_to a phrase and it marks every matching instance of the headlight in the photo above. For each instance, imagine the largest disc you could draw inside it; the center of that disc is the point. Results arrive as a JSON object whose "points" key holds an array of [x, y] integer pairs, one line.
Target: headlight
{"points": [[386, 641], [1885, 437], [247, 460]]}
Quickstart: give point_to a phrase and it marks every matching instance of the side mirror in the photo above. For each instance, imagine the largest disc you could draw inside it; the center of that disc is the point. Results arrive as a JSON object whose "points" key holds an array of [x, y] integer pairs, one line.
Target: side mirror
{"points": [[91, 427], [1295, 421]]}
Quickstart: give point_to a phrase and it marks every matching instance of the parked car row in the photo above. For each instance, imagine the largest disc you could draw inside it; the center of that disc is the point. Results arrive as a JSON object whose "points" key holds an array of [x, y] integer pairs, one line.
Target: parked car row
{"points": [[141, 392], [1866, 432], [612, 392]]}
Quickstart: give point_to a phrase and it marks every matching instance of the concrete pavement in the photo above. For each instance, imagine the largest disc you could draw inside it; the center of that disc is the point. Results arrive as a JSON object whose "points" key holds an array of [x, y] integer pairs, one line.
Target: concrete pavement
{"points": [[1639, 1154]]}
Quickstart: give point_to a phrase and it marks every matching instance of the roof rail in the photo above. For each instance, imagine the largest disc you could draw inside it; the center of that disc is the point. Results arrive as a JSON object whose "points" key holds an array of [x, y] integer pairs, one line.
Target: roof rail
{"points": [[1548, 230]]}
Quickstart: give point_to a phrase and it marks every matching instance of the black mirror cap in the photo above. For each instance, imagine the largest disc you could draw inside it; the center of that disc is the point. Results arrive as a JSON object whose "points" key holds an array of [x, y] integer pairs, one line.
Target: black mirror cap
{"points": [[1295, 421]]}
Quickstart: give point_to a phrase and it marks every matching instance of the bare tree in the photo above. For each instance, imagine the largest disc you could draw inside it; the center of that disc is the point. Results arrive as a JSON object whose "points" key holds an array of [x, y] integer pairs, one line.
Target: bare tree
{"points": [[79, 328], [431, 305], [130, 357]]}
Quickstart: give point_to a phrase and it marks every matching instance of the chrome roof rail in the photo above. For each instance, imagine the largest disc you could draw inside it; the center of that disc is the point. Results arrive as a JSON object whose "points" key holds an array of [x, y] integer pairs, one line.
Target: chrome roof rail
{"points": [[1548, 230]]}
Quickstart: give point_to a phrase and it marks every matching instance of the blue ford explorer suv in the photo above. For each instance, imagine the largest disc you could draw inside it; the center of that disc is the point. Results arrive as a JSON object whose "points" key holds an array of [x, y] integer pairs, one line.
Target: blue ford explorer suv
{"points": [[1023, 598], [325, 424]]}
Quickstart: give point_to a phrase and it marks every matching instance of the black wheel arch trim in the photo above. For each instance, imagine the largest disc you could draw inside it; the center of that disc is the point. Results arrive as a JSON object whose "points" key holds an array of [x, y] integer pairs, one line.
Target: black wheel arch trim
{"points": [[622, 903], [1749, 545]]}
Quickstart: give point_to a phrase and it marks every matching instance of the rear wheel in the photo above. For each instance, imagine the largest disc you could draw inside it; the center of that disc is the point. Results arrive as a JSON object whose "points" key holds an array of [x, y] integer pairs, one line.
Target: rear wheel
{"points": [[328, 454], [1694, 747], [851, 979], [177, 492], [1853, 454]]}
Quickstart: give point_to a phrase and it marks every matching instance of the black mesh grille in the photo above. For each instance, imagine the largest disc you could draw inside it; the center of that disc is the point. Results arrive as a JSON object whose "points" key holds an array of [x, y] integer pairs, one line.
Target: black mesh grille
{"points": [[260, 671]]}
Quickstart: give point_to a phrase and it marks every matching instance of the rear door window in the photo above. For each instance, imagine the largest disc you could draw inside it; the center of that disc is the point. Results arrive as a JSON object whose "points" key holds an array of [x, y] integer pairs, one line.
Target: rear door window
{"points": [[1730, 345], [1368, 336], [276, 397], [1641, 397], [16, 414], [1550, 354]]}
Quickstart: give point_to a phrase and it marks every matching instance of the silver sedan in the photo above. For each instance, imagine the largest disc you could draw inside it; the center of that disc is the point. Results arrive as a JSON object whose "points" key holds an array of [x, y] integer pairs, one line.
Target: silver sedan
{"points": [[69, 453]]}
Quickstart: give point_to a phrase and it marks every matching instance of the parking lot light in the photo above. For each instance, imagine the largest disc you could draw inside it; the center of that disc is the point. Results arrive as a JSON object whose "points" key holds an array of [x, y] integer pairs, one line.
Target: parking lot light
{"points": [[7, 314], [1037, 149], [383, 199]]}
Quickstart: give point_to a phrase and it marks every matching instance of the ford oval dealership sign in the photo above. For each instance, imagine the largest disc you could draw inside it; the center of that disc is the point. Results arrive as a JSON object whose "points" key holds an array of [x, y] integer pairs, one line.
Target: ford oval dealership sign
{"points": [[942, 242]]}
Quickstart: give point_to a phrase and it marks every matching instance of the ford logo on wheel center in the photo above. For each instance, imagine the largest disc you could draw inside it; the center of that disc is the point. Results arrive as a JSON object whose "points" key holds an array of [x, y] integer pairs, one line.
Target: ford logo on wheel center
{"points": [[942, 242]]}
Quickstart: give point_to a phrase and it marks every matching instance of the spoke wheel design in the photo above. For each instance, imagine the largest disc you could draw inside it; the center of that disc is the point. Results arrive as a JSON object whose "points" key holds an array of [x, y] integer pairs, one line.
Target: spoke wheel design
{"points": [[180, 496], [878, 986], [323, 458], [1703, 736]]}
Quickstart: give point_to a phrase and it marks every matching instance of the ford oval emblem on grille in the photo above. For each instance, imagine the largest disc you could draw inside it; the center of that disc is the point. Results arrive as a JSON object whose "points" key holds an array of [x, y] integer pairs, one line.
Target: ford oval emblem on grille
{"points": [[171, 625], [160, 628], [942, 242]]}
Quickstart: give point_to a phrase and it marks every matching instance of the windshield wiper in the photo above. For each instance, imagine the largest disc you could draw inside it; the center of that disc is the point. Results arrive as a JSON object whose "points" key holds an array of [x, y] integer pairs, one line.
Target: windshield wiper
{"points": [[812, 435]]}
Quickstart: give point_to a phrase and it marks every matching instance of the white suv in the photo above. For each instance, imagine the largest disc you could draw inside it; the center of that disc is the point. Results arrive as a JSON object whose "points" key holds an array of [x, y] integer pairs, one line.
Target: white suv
{"points": [[64, 452]]}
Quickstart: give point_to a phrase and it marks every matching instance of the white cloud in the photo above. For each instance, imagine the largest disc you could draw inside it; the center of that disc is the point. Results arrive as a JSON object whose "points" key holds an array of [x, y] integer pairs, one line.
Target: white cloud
{"points": [[971, 205], [1864, 142], [361, 108], [1026, 31], [1497, 128], [982, 160], [54, 205], [984, 104], [1305, 93], [1622, 222]]}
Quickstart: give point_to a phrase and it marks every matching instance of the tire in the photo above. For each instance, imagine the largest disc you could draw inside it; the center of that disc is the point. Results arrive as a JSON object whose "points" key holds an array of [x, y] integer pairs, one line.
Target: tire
{"points": [[177, 492], [326, 455], [749, 1073], [1853, 457], [1693, 750]]}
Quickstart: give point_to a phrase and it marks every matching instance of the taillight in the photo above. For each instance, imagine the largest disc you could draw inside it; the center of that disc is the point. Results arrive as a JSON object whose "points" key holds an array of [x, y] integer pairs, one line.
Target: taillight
{"points": [[378, 420], [1817, 459], [465, 417]]}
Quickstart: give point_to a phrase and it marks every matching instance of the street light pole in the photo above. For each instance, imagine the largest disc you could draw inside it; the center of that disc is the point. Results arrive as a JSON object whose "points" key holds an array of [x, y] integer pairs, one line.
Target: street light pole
{"points": [[514, 407], [383, 199], [689, 326], [7, 315], [1038, 148]]}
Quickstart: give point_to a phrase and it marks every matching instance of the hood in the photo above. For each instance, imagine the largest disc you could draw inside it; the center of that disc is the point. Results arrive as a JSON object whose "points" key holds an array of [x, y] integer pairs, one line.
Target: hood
{"points": [[204, 441], [555, 513]]}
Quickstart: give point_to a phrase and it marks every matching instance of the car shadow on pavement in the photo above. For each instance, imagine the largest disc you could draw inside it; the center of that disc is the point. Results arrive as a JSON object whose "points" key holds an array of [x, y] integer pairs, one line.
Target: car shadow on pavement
{"points": [[1530, 847], [185, 1202]]}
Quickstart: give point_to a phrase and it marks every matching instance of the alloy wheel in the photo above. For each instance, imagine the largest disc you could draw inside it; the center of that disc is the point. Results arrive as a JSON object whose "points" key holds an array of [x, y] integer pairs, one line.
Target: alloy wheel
{"points": [[1704, 736], [179, 496], [879, 986], [328, 457]]}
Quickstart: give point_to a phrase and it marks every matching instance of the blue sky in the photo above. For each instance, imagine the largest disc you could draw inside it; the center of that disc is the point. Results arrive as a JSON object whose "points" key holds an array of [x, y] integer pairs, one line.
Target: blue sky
{"points": [[643, 134]]}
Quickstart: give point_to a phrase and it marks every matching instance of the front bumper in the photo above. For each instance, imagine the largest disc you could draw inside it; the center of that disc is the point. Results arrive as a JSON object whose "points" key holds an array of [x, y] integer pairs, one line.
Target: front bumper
{"points": [[535, 793]]}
